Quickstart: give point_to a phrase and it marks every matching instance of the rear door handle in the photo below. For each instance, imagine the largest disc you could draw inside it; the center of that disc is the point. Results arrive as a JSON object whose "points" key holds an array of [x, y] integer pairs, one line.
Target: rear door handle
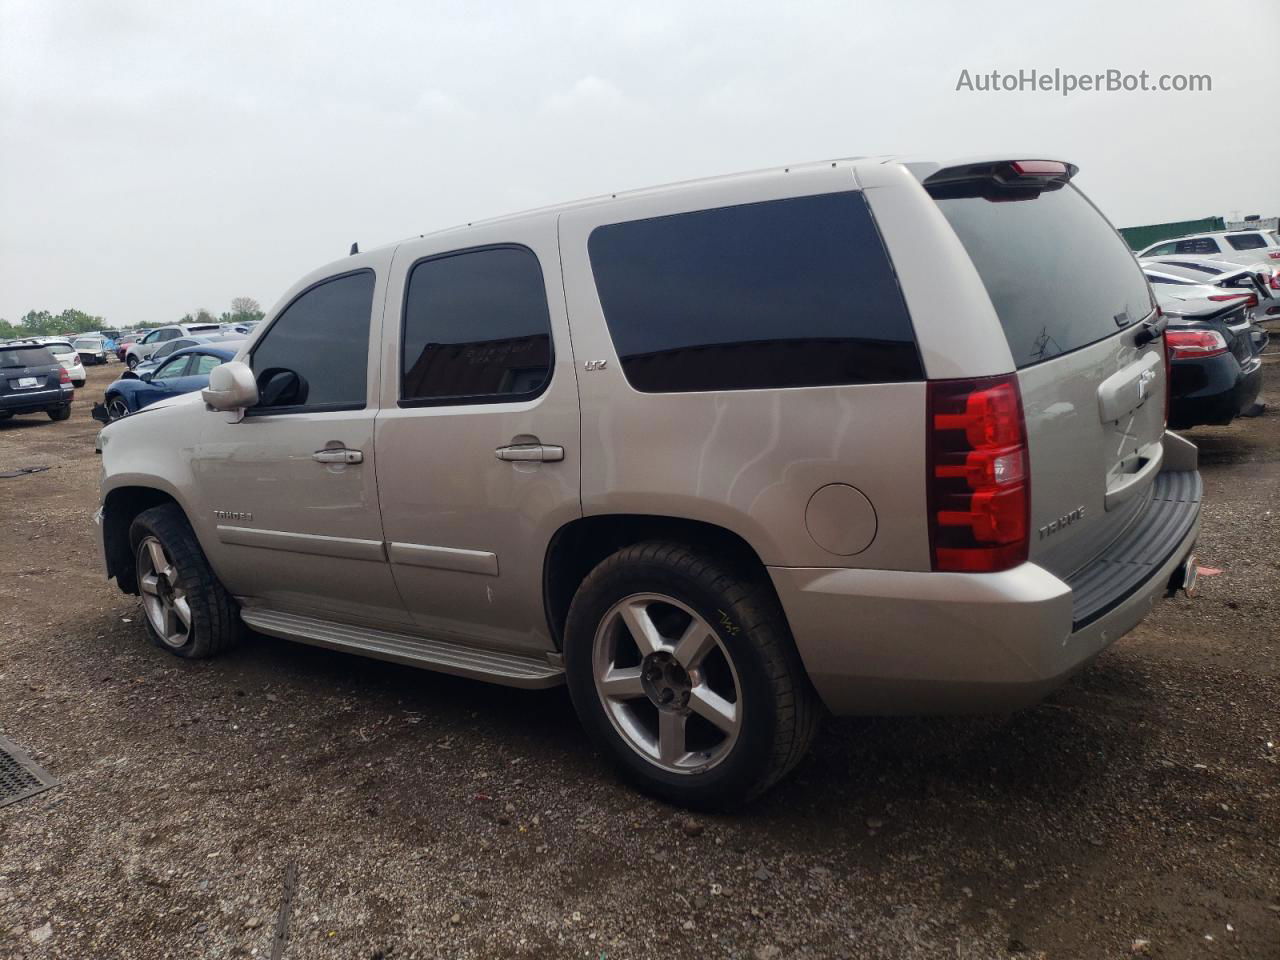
{"points": [[337, 455], [537, 452]]}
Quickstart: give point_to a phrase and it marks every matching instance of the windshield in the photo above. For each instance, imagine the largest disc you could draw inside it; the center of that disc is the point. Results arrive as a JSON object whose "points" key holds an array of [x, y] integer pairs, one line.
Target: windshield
{"points": [[1058, 274], [89, 344], [26, 357]]}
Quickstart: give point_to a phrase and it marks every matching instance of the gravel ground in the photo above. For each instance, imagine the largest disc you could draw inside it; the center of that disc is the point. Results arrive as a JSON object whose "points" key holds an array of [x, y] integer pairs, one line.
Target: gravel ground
{"points": [[1137, 811]]}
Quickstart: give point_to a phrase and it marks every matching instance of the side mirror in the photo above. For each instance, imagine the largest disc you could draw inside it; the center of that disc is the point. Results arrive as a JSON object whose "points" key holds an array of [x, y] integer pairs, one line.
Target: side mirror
{"points": [[146, 376], [231, 386]]}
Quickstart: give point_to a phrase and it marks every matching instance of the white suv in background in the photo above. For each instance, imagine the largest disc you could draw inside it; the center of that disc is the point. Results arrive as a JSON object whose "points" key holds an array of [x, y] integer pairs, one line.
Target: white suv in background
{"points": [[158, 337], [1237, 246]]}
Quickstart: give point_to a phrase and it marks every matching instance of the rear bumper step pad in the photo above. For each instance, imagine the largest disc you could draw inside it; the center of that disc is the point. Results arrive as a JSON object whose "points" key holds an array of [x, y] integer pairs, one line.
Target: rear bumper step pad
{"points": [[1112, 577]]}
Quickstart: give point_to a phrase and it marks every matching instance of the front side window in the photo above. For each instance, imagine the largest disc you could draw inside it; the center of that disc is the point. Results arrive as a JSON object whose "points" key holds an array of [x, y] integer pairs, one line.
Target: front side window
{"points": [[316, 354], [783, 293], [204, 364], [1246, 241], [476, 328]]}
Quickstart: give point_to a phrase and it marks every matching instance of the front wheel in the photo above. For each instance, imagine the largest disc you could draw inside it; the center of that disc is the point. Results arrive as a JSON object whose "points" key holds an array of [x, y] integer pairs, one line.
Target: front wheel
{"points": [[131, 362], [187, 610], [683, 670], [116, 408]]}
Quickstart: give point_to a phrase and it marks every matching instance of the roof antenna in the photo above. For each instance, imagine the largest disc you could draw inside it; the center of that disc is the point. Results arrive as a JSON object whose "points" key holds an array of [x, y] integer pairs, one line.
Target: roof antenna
{"points": [[355, 248]]}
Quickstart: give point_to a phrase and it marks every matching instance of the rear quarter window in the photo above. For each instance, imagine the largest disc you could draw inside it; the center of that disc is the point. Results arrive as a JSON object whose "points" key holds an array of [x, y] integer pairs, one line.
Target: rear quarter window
{"points": [[784, 293], [1247, 241], [1058, 274]]}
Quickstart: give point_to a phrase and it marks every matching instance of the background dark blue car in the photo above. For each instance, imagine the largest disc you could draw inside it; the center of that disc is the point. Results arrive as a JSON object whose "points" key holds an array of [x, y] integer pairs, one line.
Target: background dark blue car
{"points": [[184, 371]]}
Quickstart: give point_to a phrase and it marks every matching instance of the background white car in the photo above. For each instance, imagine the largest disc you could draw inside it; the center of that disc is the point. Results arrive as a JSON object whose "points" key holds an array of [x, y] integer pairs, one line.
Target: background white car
{"points": [[1237, 246]]}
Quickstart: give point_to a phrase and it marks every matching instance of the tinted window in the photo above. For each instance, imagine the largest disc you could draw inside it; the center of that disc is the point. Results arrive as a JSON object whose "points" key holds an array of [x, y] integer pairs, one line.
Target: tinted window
{"points": [[323, 339], [26, 357], [1247, 241], [1198, 245], [1160, 251], [1058, 275], [786, 293], [173, 368], [476, 327]]}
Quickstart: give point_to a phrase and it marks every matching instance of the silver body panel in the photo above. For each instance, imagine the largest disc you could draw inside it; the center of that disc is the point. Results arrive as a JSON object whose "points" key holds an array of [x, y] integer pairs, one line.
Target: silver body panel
{"points": [[431, 549]]}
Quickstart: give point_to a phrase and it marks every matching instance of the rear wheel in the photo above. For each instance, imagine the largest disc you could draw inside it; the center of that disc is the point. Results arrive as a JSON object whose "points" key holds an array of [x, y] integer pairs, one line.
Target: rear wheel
{"points": [[683, 670], [187, 611], [131, 361], [60, 413]]}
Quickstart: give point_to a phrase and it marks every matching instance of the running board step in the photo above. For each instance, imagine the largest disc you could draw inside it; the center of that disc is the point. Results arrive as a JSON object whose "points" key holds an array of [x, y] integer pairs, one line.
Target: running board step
{"points": [[509, 669]]}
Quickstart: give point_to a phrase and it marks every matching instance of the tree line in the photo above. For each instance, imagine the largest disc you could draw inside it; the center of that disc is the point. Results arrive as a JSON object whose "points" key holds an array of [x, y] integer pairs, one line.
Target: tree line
{"points": [[44, 323]]}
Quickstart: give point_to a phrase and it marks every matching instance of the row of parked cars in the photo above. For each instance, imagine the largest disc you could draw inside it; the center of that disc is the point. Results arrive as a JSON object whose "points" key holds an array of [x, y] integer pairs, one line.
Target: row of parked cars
{"points": [[40, 374], [1214, 288]]}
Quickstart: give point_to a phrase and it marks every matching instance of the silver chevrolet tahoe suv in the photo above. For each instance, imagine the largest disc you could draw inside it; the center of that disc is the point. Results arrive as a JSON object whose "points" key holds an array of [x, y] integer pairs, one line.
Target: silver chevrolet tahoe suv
{"points": [[861, 437]]}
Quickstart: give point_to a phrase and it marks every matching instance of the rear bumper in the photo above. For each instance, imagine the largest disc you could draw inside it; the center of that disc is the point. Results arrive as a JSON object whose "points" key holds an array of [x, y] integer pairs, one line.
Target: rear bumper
{"points": [[892, 642], [36, 401], [1213, 391]]}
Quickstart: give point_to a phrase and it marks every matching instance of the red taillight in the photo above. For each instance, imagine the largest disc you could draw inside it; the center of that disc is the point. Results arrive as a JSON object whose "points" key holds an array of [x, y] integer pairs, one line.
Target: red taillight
{"points": [[63, 376], [1188, 344], [1039, 168], [1274, 256], [979, 478], [1274, 282], [1249, 299], [1167, 350]]}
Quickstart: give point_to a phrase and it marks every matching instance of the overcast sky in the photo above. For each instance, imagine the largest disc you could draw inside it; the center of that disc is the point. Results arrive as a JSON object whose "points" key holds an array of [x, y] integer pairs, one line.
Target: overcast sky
{"points": [[157, 157]]}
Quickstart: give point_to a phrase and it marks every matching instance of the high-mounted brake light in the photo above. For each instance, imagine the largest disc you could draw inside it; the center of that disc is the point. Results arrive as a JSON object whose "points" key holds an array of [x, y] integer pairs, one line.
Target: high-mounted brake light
{"points": [[979, 478], [1039, 168], [1200, 344]]}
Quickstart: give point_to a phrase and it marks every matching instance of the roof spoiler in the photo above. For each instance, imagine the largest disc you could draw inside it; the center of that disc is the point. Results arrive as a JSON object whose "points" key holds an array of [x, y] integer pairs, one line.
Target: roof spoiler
{"points": [[1001, 179]]}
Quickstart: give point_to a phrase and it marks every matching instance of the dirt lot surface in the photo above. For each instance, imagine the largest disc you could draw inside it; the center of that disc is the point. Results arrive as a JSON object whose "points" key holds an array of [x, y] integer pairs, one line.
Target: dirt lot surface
{"points": [[434, 817]]}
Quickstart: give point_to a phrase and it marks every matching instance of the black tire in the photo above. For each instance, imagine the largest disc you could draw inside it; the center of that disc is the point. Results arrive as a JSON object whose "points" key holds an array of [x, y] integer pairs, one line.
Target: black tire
{"points": [[780, 709], [60, 413], [131, 362], [215, 616]]}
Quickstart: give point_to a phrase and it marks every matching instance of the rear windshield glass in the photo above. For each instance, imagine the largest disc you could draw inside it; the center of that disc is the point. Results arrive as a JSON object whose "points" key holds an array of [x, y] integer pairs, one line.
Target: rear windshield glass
{"points": [[1247, 241], [90, 344], [25, 357], [1058, 275]]}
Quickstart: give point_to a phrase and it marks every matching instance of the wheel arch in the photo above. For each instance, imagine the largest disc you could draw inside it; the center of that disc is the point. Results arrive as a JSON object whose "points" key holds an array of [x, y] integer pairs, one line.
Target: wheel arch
{"points": [[578, 546], [119, 508]]}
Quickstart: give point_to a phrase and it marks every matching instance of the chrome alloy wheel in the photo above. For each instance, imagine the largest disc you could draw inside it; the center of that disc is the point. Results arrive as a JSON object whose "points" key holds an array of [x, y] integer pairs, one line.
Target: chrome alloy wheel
{"points": [[116, 408], [163, 600], [667, 683]]}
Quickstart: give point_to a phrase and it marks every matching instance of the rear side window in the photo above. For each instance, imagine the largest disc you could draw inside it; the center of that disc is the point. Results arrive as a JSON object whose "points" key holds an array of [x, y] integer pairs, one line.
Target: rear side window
{"points": [[1058, 275], [476, 328], [322, 339], [1247, 241], [785, 293], [26, 357], [1197, 245]]}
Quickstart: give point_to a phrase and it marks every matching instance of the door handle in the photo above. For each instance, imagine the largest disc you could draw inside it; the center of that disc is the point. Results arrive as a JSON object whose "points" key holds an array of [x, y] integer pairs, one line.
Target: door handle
{"points": [[337, 455], [537, 452]]}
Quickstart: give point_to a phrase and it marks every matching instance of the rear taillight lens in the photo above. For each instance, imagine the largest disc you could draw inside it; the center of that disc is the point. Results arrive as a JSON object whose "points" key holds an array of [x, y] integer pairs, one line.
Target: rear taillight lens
{"points": [[1249, 299], [1189, 344], [1167, 350], [979, 478], [1274, 282], [63, 376]]}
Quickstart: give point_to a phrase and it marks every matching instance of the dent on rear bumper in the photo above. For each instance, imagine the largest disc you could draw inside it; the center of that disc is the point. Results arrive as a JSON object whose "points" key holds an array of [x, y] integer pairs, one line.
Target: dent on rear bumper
{"points": [[892, 642]]}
